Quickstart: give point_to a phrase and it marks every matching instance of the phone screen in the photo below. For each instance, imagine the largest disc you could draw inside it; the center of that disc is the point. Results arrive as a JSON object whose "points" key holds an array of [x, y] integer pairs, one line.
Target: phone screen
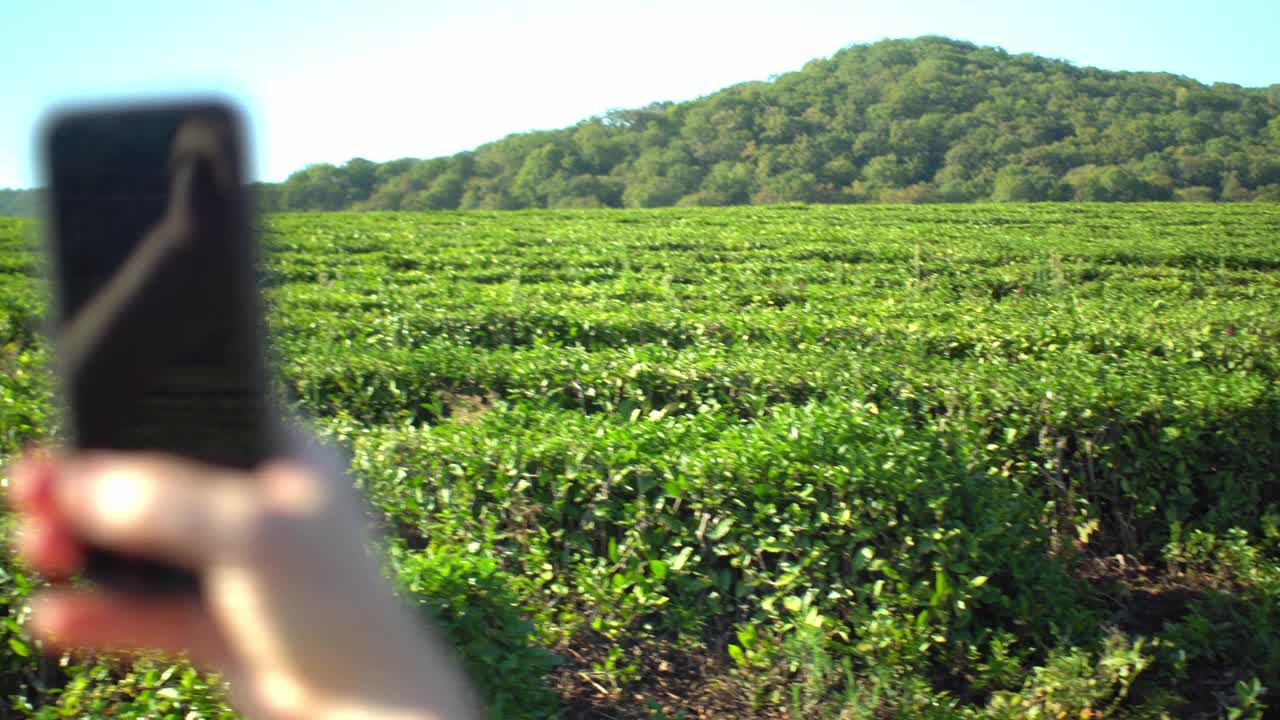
{"points": [[156, 320]]}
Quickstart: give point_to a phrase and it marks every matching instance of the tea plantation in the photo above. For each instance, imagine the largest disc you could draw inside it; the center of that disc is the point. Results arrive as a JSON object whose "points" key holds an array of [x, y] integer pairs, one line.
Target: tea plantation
{"points": [[807, 462]]}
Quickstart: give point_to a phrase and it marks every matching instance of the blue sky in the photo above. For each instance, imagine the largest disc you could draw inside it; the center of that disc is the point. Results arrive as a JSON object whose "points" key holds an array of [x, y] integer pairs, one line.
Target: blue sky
{"points": [[327, 81]]}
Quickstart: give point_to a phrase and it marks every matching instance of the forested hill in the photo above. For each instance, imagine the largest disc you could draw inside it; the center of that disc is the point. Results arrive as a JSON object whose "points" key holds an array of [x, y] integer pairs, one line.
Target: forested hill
{"points": [[921, 120]]}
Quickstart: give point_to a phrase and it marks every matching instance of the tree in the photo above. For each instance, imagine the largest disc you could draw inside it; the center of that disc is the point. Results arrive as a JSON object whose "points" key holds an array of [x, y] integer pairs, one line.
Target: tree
{"points": [[911, 195], [1235, 191], [269, 197], [1108, 184], [1195, 193], [532, 185], [887, 171], [655, 191], [943, 119], [315, 187], [599, 145], [1016, 183], [481, 193], [445, 193], [728, 183], [360, 177], [790, 186]]}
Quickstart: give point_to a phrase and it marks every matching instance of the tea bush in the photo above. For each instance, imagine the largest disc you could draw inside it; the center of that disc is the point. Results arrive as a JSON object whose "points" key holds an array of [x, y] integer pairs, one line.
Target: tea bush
{"points": [[939, 461]]}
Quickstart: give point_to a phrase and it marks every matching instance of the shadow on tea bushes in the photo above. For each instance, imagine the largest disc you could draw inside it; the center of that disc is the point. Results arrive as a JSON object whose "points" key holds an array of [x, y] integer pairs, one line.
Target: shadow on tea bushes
{"points": [[471, 601]]}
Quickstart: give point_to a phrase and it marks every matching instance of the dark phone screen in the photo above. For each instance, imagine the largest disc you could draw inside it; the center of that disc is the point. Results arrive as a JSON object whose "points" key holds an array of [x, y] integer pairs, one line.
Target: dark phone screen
{"points": [[156, 321]]}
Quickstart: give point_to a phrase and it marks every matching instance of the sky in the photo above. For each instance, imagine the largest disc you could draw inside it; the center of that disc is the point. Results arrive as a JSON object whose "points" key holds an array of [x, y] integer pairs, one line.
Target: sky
{"points": [[324, 81]]}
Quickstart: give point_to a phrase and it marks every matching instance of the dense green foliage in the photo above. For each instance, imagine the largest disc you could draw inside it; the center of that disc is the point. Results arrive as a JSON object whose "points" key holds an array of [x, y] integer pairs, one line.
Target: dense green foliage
{"points": [[921, 120], [898, 121], [951, 461]]}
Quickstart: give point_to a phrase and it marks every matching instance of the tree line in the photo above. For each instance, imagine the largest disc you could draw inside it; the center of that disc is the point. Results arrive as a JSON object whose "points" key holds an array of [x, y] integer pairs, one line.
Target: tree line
{"points": [[20, 203], [923, 120]]}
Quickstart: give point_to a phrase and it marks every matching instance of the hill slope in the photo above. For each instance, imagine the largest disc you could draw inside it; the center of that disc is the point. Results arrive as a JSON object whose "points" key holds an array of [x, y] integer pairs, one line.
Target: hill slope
{"points": [[929, 119]]}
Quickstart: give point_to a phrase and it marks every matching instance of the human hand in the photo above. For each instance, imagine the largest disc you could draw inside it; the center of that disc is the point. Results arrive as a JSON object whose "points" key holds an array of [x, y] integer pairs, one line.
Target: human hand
{"points": [[294, 612]]}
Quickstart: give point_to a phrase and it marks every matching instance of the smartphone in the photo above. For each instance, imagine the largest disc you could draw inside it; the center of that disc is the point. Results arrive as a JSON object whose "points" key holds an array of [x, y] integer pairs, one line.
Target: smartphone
{"points": [[155, 316]]}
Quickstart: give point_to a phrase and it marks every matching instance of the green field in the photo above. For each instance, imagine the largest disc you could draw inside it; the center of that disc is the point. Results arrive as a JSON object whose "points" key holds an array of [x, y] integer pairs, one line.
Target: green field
{"points": [[792, 461]]}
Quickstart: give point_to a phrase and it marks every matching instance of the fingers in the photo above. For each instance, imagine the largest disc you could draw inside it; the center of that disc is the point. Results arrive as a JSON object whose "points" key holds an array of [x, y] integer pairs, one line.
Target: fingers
{"points": [[100, 622], [42, 540], [49, 547], [29, 483], [157, 506], [165, 508]]}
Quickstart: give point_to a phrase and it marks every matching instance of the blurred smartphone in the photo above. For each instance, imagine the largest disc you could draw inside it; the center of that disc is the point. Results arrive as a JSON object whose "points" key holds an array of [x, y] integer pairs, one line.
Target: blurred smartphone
{"points": [[155, 315]]}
